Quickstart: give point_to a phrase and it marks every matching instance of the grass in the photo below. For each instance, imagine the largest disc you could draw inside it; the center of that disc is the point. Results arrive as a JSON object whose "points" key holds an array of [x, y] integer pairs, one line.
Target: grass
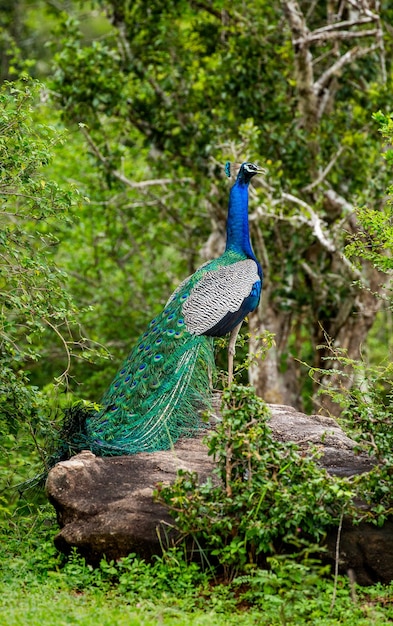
{"points": [[39, 587]]}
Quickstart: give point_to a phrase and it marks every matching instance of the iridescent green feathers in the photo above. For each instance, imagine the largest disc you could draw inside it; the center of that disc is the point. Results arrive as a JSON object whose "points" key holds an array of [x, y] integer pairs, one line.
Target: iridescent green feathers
{"points": [[161, 389]]}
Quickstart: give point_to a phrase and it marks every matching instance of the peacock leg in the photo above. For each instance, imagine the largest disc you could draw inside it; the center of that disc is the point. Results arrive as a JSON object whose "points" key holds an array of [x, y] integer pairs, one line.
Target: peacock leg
{"points": [[232, 351]]}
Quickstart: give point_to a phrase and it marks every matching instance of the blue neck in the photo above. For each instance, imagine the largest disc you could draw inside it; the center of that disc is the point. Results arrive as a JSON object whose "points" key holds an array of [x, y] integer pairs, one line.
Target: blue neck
{"points": [[238, 234]]}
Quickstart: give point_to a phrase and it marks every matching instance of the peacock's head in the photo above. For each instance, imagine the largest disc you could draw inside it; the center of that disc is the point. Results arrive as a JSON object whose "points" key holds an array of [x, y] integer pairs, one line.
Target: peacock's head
{"points": [[247, 171]]}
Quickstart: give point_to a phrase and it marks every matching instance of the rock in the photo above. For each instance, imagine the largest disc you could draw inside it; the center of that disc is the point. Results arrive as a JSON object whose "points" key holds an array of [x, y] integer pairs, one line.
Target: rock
{"points": [[338, 450], [105, 506], [365, 549]]}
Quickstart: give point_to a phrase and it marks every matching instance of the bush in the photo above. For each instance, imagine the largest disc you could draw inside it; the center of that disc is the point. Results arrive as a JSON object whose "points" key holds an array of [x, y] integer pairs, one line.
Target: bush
{"points": [[265, 495]]}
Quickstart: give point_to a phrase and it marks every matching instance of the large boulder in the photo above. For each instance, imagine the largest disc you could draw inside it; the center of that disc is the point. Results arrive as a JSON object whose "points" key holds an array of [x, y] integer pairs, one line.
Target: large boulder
{"points": [[105, 505]]}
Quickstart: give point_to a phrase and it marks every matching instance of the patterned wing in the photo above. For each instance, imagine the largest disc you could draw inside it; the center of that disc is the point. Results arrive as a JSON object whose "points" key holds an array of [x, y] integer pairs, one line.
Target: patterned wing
{"points": [[222, 298]]}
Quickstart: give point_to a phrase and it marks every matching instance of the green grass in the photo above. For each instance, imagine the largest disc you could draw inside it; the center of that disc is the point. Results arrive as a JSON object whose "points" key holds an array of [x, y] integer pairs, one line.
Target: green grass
{"points": [[39, 587]]}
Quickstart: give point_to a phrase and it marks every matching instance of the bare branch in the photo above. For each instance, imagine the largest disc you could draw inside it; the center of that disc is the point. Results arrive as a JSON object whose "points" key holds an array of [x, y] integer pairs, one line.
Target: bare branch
{"points": [[381, 42], [334, 69], [344, 24], [336, 35], [338, 201], [303, 61], [362, 7], [315, 222], [325, 172], [121, 177], [64, 375]]}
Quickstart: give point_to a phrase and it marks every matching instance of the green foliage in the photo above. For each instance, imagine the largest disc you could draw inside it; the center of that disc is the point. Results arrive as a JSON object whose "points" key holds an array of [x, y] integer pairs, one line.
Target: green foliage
{"points": [[39, 587], [32, 294], [236, 73], [374, 242], [38, 314], [362, 389], [366, 410], [118, 69], [265, 495]]}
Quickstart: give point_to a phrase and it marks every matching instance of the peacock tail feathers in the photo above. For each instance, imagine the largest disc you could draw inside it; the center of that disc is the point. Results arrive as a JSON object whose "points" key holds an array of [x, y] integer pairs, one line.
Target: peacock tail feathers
{"points": [[160, 390]]}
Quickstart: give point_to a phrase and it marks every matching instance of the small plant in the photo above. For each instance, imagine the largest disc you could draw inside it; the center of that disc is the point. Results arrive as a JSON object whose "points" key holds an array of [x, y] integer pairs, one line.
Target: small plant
{"points": [[264, 495], [287, 585], [367, 408]]}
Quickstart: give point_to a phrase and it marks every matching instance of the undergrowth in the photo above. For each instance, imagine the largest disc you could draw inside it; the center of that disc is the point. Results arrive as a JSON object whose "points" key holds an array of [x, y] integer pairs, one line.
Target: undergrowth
{"points": [[259, 525], [40, 587], [364, 394], [264, 497]]}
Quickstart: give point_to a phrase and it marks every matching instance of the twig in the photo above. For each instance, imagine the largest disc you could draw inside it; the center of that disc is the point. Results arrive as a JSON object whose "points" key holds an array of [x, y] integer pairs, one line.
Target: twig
{"points": [[348, 57], [334, 35], [121, 177], [352, 582], [336, 561], [316, 222], [64, 375], [325, 172], [345, 23]]}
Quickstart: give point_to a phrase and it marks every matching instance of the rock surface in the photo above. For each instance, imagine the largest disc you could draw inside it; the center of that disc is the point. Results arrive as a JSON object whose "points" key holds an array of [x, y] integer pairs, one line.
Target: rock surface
{"points": [[105, 506]]}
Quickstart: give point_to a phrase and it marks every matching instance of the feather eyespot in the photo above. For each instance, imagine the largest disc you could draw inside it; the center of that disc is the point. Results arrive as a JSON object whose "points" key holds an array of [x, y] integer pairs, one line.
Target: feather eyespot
{"points": [[180, 322], [170, 332], [123, 371], [148, 348], [142, 367], [127, 378], [141, 347], [158, 341], [158, 357]]}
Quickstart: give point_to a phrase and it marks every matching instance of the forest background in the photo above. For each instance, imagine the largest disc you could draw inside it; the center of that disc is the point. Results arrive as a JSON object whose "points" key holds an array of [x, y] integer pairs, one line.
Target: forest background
{"points": [[125, 140], [116, 121]]}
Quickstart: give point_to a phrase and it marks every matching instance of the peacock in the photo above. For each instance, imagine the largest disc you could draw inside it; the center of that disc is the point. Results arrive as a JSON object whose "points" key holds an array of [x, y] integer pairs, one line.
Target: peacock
{"points": [[159, 391]]}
